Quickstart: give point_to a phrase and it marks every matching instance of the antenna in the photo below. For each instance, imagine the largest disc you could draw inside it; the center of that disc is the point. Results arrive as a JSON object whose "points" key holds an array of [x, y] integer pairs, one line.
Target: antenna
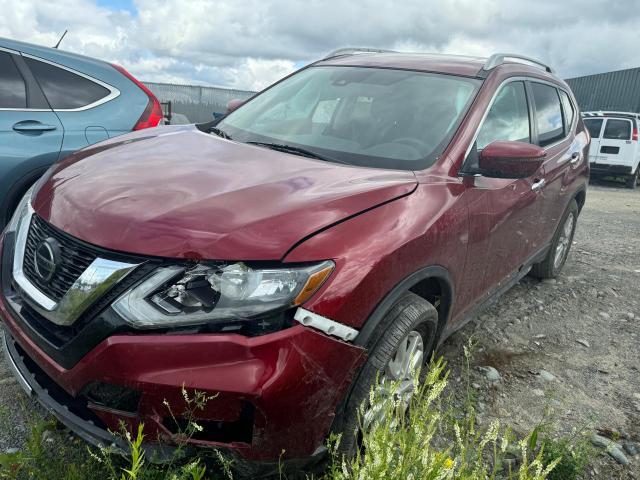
{"points": [[58, 44]]}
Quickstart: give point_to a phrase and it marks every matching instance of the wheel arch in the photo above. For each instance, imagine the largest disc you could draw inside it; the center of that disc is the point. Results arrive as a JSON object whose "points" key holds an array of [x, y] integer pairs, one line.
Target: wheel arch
{"points": [[432, 283], [17, 190], [580, 197]]}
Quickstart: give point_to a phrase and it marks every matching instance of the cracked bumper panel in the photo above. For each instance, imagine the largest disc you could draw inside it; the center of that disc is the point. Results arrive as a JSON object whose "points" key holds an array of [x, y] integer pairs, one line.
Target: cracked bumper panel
{"points": [[286, 385]]}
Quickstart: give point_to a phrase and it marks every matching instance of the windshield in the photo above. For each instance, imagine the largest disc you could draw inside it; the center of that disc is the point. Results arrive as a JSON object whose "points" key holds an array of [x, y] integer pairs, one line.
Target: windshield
{"points": [[372, 117]]}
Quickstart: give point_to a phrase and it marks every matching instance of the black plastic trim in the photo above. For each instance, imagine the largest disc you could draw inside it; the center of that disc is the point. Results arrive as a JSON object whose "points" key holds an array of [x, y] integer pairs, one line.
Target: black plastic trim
{"points": [[366, 335]]}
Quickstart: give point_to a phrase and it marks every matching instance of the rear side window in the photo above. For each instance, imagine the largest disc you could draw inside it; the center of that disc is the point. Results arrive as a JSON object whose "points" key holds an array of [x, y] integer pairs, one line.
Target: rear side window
{"points": [[548, 114], [64, 89], [616, 129], [508, 118], [594, 125], [567, 106], [13, 92]]}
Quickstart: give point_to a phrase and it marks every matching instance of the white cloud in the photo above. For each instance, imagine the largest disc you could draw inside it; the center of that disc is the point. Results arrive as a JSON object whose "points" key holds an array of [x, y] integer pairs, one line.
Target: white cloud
{"points": [[251, 43]]}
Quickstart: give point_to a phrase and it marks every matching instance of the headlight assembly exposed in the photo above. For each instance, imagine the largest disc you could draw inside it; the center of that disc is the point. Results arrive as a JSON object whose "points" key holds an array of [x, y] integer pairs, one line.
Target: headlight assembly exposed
{"points": [[183, 296]]}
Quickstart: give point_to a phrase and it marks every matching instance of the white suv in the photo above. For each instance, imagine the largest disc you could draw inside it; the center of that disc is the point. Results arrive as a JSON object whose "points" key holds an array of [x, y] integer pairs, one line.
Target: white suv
{"points": [[615, 150]]}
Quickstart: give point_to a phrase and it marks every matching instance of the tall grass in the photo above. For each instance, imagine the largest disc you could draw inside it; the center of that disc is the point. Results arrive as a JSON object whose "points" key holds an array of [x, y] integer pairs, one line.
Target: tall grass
{"points": [[432, 442]]}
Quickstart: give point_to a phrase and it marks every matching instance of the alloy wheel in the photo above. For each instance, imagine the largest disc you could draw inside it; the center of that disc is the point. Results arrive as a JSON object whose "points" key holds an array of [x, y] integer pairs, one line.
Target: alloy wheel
{"points": [[562, 248], [398, 383]]}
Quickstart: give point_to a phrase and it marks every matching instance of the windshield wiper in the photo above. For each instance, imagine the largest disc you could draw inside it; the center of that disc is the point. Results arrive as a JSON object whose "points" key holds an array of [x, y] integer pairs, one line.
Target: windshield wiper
{"points": [[220, 133], [281, 147]]}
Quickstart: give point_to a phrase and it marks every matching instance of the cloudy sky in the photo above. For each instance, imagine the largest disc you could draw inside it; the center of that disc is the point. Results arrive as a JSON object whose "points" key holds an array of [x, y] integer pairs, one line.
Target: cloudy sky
{"points": [[248, 44]]}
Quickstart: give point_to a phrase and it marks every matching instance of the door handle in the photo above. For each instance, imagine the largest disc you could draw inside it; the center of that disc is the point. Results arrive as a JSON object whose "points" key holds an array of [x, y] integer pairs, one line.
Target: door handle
{"points": [[538, 184], [575, 157], [30, 126]]}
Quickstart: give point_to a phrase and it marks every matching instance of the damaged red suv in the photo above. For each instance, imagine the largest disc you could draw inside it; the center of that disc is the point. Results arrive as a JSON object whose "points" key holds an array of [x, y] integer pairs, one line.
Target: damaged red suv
{"points": [[341, 223]]}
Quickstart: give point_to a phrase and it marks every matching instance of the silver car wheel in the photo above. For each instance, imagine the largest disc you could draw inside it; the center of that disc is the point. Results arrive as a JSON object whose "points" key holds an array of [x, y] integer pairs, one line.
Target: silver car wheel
{"points": [[563, 241], [398, 383]]}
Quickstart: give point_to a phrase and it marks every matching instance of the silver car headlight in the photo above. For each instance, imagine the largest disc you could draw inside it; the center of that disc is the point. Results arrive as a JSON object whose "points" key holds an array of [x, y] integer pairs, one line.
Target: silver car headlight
{"points": [[183, 296], [21, 212]]}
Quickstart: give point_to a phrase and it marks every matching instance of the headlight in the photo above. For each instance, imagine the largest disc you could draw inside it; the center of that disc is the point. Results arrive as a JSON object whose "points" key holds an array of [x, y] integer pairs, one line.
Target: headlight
{"points": [[181, 296], [21, 211]]}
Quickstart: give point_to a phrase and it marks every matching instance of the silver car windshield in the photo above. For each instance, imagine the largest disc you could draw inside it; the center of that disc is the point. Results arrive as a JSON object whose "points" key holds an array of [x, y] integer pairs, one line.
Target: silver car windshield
{"points": [[373, 117]]}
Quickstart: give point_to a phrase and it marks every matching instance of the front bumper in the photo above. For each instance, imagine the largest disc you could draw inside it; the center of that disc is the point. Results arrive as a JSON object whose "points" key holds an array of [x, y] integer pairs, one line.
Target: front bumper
{"points": [[267, 394]]}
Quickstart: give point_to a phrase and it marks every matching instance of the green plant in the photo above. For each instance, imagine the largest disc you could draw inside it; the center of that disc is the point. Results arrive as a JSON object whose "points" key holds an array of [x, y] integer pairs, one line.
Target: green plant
{"points": [[573, 457], [408, 447]]}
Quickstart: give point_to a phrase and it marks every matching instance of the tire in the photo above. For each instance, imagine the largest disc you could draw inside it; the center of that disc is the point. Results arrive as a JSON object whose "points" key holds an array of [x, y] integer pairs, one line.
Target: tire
{"points": [[551, 266], [632, 180], [409, 314]]}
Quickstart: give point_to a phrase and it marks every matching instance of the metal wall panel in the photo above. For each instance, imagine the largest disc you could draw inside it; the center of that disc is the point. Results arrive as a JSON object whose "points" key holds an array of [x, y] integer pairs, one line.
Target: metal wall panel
{"points": [[618, 90], [198, 104]]}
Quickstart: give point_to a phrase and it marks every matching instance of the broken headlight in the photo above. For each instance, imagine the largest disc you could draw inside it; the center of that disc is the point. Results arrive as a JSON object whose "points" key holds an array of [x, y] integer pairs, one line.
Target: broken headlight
{"points": [[182, 296]]}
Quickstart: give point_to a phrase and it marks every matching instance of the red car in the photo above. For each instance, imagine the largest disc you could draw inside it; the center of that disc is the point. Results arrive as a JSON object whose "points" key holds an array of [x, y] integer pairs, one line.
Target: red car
{"points": [[342, 222]]}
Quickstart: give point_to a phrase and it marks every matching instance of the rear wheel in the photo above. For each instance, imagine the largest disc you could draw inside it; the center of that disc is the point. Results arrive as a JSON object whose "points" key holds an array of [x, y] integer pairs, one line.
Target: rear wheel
{"points": [[403, 346], [552, 265], [632, 180]]}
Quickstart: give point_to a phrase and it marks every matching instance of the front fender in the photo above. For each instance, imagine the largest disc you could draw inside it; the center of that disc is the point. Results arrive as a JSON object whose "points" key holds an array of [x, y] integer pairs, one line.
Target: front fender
{"points": [[376, 251]]}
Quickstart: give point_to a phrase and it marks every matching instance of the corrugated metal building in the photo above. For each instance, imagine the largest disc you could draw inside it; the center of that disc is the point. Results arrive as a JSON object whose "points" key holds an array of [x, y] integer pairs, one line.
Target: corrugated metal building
{"points": [[198, 104], [619, 90]]}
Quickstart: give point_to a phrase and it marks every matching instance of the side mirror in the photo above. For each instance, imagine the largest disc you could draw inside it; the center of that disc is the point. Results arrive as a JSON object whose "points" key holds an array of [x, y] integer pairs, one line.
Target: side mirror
{"points": [[233, 105], [511, 159]]}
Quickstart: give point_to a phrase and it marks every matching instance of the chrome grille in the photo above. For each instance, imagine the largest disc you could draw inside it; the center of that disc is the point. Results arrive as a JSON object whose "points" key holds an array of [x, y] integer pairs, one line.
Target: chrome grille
{"points": [[76, 258]]}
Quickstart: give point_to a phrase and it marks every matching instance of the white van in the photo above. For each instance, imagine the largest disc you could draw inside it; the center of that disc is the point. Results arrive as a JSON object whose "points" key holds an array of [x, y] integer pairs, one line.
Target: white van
{"points": [[615, 150]]}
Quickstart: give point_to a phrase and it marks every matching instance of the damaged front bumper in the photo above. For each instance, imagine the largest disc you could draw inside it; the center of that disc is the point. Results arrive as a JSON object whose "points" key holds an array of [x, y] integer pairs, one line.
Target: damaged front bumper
{"points": [[269, 394]]}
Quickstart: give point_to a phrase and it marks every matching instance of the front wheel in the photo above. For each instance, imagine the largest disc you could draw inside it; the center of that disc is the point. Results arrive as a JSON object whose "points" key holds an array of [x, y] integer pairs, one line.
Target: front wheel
{"points": [[401, 348], [552, 265]]}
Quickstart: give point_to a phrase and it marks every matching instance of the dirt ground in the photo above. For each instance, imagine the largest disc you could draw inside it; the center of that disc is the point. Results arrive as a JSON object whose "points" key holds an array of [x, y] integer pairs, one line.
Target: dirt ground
{"points": [[582, 329]]}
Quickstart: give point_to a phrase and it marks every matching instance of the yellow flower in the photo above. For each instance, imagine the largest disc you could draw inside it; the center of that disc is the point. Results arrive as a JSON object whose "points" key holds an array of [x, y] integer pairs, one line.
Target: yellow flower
{"points": [[448, 463]]}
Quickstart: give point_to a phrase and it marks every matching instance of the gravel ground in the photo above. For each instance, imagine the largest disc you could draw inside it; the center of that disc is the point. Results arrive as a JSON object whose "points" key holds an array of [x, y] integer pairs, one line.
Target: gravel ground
{"points": [[570, 344]]}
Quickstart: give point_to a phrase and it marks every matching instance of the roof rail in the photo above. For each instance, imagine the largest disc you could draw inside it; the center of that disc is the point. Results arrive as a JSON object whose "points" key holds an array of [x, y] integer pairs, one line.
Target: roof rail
{"points": [[355, 50], [500, 58]]}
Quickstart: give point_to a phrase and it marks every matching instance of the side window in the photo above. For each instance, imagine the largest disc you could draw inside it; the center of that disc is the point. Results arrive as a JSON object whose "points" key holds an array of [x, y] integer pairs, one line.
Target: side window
{"points": [[548, 113], [64, 89], [616, 129], [13, 92], [594, 125], [567, 106], [508, 118]]}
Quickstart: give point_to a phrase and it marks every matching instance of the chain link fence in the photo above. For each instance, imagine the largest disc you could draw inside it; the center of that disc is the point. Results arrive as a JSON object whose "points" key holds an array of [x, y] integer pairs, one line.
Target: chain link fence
{"points": [[197, 104]]}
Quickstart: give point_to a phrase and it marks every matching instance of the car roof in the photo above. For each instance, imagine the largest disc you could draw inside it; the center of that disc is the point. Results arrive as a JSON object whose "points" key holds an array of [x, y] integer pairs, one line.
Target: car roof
{"points": [[611, 114], [453, 64], [469, 66]]}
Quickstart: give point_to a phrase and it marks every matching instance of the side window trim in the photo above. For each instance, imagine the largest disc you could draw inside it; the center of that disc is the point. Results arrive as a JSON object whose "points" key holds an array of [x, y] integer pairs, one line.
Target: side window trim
{"points": [[32, 90], [521, 78], [566, 134], [113, 91], [573, 107], [36, 101]]}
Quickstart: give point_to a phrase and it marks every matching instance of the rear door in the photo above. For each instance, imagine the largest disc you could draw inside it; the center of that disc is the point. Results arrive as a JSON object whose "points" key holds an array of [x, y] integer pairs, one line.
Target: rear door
{"points": [[73, 96], [616, 146], [555, 132], [594, 125], [30, 133]]}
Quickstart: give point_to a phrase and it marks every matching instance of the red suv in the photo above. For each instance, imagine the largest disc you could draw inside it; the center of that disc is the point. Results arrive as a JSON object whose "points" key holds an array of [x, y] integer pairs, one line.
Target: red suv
{"points": [[341, 223]]}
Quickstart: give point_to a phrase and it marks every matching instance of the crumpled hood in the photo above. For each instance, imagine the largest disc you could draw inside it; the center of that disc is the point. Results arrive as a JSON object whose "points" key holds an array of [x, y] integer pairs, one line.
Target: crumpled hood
{"points": [[181, 193]]}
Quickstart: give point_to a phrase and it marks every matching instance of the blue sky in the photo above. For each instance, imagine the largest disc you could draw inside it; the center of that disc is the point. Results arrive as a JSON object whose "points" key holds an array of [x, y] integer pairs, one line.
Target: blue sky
{"points": [[127, 5]]}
